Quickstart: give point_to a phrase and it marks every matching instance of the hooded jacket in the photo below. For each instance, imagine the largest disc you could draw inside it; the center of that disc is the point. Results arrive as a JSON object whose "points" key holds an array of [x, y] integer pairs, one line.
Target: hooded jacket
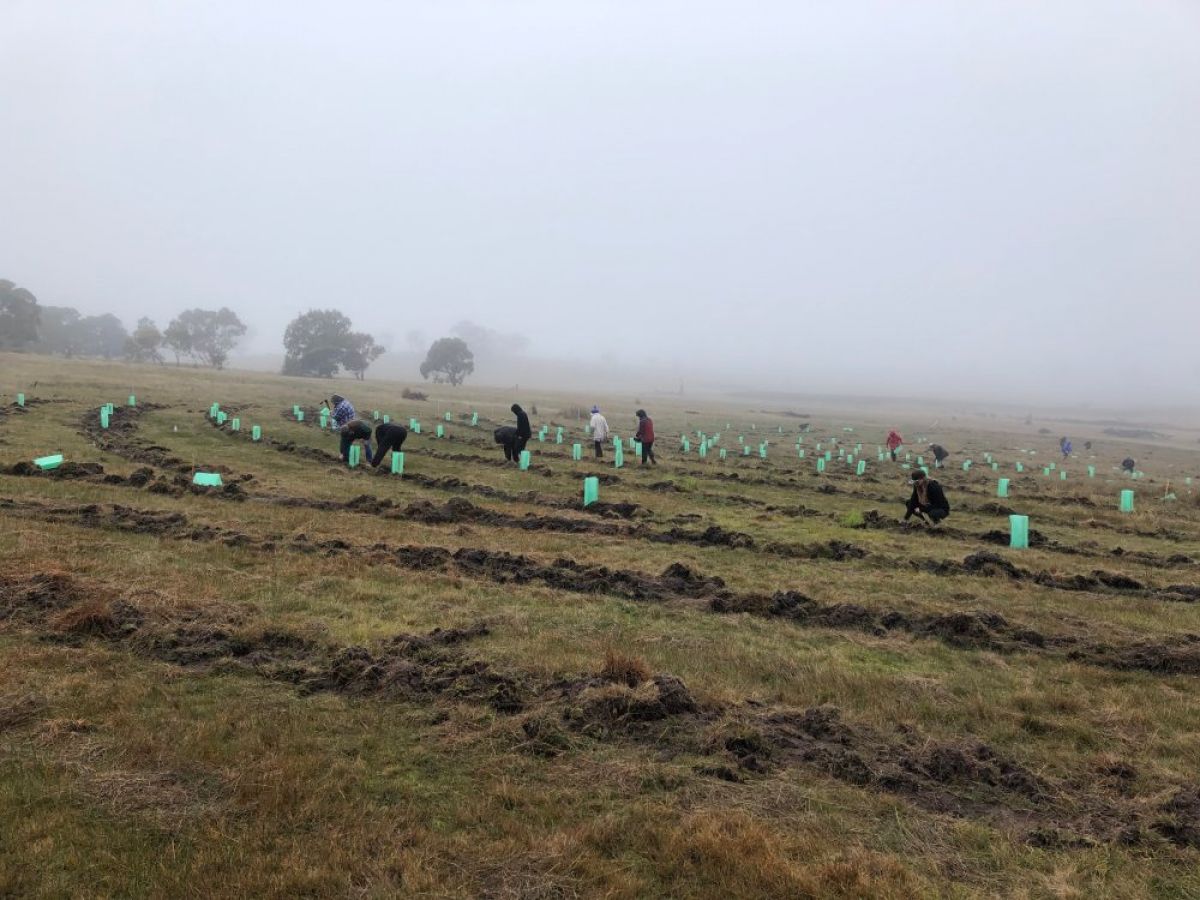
{"points": [[894, 440], [523, 429]]}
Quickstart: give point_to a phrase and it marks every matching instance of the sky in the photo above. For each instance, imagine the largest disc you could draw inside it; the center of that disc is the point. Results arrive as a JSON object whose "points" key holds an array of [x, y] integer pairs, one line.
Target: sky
{"points": [[989, 197]]}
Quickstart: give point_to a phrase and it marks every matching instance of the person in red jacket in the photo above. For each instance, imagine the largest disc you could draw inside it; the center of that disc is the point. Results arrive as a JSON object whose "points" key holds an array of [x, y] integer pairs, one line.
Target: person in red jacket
{"points": [[645, 434], [894, 440]]}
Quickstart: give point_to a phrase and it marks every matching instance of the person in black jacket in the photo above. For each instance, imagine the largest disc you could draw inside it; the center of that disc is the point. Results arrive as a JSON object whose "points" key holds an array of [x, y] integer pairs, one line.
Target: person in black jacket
{"points": [[388, 437], [506, 436], [939, 455], [928, 501], [524, 432]]}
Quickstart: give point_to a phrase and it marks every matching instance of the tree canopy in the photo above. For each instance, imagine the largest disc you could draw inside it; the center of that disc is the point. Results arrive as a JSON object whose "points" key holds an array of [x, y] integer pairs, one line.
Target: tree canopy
{"points": [[143, 345], [319, 342], [449, 360], [19, 316], [205, 335]]}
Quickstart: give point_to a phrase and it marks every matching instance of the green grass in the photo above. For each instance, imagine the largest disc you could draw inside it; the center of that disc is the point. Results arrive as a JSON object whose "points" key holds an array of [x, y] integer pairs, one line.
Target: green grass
{"points": [[126, 775]]}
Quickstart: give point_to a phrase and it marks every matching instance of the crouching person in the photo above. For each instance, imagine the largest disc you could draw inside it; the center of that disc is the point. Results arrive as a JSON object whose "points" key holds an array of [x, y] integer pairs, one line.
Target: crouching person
{"points": [[928, 501], [355, 430]]}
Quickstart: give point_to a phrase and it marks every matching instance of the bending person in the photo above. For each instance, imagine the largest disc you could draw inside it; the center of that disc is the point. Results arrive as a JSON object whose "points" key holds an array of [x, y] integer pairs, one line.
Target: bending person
{"points": [[506, 436], [388, 437], [928, 501]]}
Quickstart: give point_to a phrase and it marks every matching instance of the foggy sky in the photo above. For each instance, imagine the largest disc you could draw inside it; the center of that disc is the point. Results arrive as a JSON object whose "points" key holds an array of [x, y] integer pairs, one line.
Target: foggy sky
{"points": [[940, 197]]}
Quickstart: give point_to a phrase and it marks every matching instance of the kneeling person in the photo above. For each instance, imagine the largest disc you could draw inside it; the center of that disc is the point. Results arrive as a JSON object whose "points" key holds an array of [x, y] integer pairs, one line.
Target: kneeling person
{"points": [[928, 501], [388, 437]]}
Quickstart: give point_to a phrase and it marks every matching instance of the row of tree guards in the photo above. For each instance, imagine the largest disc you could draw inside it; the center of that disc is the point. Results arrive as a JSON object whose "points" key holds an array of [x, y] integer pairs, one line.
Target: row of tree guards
{"points": [[1019, 524]]}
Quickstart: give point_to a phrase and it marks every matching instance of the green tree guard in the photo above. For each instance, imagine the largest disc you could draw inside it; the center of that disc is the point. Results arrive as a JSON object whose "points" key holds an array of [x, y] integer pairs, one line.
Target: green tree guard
{"points": [[104, 417], [995, 467], [295, 409], [862, 467], [256, 433], [558, 436], [745, 449], [1127, 501], [1020, 467], [213, 410], [207, 479], [45, 463], [618, 456], [591, 490], [820, 464], [829, 455], [324, 419], [1018, 529], [236, 425], [441, 431], [355, 456], [723, 454], [221, 417], [637, 449], [132, 400], [375, 415], [1062, 474], [966, 465], [524, 461], [577, 452], [1002, 487], [1091, 471], [300, 416], [474, 418], [687, 446], [397, 462], [703, 450], [416, 429], [448, 417]]}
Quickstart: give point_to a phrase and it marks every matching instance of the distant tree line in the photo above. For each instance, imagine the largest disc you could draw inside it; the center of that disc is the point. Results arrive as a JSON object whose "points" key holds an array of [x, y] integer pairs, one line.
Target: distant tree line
{"points": [[318, 343], [203, 336]]}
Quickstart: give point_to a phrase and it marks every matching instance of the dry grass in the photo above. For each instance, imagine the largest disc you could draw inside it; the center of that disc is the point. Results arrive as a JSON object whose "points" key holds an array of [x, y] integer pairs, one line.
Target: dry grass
{"points": [[168, 776]]}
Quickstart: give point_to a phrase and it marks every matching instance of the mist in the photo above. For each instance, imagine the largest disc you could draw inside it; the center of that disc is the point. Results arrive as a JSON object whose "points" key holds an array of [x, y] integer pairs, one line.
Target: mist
{"points": [[989, 199]]}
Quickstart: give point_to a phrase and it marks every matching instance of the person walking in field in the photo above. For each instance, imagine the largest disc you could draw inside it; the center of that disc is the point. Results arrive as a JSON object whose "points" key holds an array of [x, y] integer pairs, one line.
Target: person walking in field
{"points": [[940, 455], [1065, 446], [599, 426], [1128, 464], [928, 501], [645, 434], [893, 443], [388, 437]]}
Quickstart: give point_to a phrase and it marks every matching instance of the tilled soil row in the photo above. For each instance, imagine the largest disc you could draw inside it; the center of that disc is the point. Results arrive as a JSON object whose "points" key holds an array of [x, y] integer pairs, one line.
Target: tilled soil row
{"points": [[962, 776], [462, 511], [972, 630]]}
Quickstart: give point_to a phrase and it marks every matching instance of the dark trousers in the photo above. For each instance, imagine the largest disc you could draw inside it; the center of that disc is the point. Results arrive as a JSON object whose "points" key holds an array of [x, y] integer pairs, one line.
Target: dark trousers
{"points": [[893, 456], [383, 448], [933, 513], [648, 452], [599, 449], [512, 449], [347, 440]]}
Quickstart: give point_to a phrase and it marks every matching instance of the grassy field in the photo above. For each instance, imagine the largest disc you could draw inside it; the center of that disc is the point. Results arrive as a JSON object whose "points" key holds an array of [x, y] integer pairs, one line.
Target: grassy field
{"points": [[729, 678]]}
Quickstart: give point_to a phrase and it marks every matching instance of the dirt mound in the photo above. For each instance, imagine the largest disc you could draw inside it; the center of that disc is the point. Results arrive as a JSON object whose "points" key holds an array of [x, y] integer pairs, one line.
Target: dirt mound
{"points": [[962, 777], [1180, 822], [601, 709], [1178, 656], [33, 598], [983, 562]]}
